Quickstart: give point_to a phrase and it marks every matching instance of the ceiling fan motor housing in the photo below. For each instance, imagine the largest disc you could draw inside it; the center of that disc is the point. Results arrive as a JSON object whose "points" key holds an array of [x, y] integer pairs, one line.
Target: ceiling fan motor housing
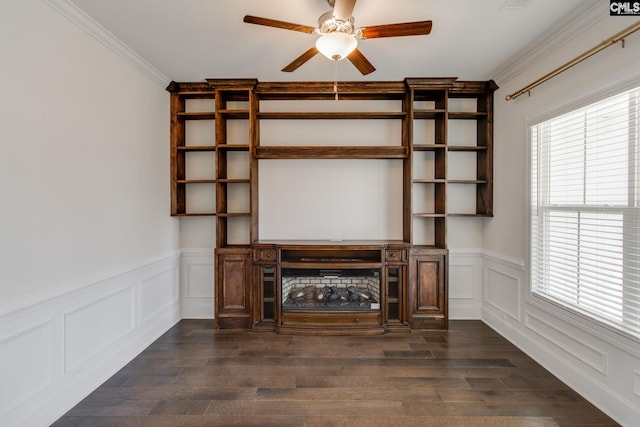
{"points": [[328, 24]]}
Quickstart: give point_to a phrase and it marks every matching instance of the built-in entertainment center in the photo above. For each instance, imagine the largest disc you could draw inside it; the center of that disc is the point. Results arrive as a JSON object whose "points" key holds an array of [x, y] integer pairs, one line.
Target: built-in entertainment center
{"points": [[418, 142]]}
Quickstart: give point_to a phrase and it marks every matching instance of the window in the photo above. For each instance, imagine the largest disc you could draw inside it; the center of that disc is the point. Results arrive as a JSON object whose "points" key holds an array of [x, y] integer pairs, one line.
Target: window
{"points": [[585, 215]]}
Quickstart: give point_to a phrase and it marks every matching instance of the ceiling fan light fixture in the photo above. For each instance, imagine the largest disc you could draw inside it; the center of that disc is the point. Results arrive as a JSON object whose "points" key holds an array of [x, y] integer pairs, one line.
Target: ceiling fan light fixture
{"points": [[336, 45]]}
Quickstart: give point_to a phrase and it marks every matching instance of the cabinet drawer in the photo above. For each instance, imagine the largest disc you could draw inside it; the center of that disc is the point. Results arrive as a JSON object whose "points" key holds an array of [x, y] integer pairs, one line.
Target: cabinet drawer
{"points": [[350, 318], [395, 255], [265, 255]]}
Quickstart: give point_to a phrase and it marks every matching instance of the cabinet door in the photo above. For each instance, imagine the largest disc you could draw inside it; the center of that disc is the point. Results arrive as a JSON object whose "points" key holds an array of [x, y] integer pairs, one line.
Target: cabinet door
{"points": [[428, 290], [233, 289]]}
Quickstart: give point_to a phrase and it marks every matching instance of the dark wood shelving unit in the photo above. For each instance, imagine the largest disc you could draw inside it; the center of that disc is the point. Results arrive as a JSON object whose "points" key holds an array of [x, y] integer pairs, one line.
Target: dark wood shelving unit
{"points": [[414, 270]]}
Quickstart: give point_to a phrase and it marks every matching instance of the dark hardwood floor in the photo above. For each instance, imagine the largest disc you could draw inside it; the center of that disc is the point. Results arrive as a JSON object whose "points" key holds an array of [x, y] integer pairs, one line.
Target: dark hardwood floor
{"points": [[466, 376]]}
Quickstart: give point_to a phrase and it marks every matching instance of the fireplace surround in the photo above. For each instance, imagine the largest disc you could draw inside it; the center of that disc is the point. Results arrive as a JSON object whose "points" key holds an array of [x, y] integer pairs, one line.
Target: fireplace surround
{"points": [[331, 288]]}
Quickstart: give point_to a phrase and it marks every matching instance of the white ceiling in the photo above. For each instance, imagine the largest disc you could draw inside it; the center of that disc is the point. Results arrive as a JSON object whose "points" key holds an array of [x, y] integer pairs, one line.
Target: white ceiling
{"points": [[190, 40]]}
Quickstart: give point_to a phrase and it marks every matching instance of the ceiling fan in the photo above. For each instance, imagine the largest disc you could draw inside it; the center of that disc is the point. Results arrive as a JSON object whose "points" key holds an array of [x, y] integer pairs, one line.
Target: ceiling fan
{"points": [[339, 36]]}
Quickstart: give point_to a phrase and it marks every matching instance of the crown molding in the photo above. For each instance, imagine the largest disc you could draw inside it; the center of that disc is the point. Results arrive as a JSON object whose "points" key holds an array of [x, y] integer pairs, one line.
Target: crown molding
{"points": [[74, 14], [562, 33]]}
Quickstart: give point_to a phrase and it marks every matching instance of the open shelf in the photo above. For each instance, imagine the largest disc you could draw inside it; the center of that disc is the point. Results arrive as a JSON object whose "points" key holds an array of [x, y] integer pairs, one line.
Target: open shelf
{"points": [[429, 147], [196, 181], [467, 181], [465, 148], [196, 214], [466, 115], [342, 152], [430, 114], [234, 114], [430, 181], [233, 180], [330, 115], [197, 115], [233, 147], [196, 148]]}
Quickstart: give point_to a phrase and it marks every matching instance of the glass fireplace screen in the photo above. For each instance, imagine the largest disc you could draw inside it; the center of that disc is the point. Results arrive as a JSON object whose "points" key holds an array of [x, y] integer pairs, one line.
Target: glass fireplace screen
{"points": [[330, 289]]}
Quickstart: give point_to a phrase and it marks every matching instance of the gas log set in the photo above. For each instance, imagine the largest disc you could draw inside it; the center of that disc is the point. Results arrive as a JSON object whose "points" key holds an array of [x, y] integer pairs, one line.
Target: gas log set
{"points": [[330, 289], [329, 297]]}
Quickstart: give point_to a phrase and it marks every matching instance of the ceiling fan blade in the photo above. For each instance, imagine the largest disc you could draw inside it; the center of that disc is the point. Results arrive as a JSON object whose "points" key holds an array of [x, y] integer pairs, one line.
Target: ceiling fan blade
{"points": [[418, 28], [278, 24], [343, 9], [361, 63], [301, 60]]}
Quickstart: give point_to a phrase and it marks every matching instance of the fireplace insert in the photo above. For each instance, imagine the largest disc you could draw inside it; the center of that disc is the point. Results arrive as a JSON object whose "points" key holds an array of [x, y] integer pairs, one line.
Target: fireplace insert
{"points": [[330, 289]]}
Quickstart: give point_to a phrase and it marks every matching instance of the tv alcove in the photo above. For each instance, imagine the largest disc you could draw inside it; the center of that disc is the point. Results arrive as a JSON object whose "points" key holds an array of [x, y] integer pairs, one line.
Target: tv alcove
{"points": [[325, 287]]}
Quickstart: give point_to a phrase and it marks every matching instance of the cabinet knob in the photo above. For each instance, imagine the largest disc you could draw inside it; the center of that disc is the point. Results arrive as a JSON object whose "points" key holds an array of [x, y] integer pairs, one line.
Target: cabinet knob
{"points": [[306, 319], [356, 320]]}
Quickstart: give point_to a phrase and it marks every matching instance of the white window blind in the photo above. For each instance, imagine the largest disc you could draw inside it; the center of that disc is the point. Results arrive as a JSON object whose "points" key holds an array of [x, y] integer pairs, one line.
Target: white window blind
{"points": [[585, 216]]}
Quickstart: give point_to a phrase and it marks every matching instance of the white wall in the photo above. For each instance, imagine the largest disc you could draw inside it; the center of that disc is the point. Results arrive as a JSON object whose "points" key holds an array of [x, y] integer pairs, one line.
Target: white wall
{"points": [[88, 250], [597, 362], [84, 165]]}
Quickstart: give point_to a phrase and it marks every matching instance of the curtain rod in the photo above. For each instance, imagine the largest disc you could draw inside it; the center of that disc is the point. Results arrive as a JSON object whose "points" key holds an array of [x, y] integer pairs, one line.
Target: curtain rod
{"points": [[618, 37]]}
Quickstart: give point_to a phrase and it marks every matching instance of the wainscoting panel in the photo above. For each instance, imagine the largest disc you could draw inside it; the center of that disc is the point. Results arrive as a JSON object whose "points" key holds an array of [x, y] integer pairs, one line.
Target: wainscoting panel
{"points": [[570, 340], [596, 362], [158, 292], [502, 291], [94, 327], [465, 284], [196, 284], [57, 347], [25, 358]]}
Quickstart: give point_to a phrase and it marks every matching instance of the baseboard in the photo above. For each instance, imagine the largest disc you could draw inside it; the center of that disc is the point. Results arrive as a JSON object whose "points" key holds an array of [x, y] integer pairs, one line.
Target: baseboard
{"points": [[63, 344]]}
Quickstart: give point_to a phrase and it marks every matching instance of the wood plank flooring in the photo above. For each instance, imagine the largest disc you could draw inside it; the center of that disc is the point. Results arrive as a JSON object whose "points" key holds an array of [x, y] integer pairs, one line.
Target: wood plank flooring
{"points": [[466, 376]]}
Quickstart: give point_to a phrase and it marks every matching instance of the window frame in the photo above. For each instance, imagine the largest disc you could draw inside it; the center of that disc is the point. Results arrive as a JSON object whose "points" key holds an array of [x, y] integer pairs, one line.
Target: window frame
{"points": [[537, 299]]}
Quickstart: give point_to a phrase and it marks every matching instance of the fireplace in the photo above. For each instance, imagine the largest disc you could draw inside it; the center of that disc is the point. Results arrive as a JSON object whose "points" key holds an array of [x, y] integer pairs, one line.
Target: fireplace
{"points": [[329, 289]]}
